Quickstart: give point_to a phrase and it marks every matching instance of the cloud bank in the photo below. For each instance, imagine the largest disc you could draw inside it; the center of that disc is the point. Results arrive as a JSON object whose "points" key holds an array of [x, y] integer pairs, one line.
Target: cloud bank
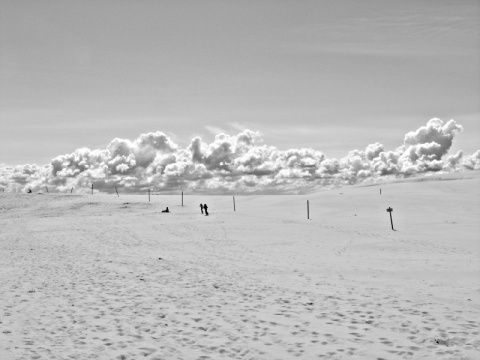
{"points": [[238, 164]]}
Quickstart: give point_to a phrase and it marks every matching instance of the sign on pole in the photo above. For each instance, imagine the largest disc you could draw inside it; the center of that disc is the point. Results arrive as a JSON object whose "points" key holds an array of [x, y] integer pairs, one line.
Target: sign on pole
{"points": [[390, 212]]}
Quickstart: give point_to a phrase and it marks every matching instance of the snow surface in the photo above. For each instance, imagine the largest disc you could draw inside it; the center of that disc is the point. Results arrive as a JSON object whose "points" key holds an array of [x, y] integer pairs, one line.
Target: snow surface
{"points": [[107, 277]]}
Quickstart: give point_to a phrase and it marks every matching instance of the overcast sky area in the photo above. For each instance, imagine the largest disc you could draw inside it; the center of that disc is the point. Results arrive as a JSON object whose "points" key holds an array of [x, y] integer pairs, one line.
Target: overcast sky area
{"points": [[329, 75]]}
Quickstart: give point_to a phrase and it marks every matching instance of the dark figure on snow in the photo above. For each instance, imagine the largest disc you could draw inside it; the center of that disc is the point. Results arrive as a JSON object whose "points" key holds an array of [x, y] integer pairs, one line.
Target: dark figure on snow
{"points": [[166, 210], [29, 191], [201, 208], [205, 207]]}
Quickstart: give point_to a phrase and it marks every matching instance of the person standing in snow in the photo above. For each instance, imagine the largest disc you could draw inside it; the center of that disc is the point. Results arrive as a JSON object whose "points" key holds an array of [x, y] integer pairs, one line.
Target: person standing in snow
{"points": [[201, 208], [205, 207]]}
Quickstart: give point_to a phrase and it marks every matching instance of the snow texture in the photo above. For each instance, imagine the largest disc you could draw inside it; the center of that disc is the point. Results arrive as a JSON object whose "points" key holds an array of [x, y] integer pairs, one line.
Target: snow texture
{"points": [[107, 277]]}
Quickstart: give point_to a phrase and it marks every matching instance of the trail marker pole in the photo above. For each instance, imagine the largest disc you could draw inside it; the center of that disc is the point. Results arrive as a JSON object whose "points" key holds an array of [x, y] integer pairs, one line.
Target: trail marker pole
{"points": [[148, 195], [308, 210], [182, 198], [92, 189], [380, 191], [234, 203], [116, 190], [391, 221]]}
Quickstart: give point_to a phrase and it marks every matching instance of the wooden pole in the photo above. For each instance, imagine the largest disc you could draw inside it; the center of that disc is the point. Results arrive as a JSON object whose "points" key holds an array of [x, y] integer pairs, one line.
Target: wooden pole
{"points": [[391, 221], [234, 203], [116, 190], [308, 210], [182, 198]]}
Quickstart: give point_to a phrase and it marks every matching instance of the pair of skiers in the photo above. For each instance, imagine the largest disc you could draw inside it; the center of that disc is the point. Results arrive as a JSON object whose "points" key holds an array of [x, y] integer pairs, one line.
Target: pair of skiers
{"points": [[204, 207]]}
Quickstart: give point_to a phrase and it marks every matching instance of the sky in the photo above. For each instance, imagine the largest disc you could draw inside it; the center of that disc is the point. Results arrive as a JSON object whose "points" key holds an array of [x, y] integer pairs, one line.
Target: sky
{"points": [[333, 76]]}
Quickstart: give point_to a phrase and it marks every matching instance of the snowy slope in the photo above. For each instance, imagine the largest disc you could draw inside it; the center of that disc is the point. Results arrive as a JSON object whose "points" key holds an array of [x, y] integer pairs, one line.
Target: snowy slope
{"points": [[102, 277]]}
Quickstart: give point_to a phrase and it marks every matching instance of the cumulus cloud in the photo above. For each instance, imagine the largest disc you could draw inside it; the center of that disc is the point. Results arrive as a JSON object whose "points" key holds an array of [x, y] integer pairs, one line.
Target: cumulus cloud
{"points": [[238, 163], [472, 162]]}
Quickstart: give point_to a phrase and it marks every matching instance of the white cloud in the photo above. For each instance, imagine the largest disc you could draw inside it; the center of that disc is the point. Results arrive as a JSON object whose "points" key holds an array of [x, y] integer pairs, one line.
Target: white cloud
{"points": [[214, 130], [238, 163], [472, 162]]}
